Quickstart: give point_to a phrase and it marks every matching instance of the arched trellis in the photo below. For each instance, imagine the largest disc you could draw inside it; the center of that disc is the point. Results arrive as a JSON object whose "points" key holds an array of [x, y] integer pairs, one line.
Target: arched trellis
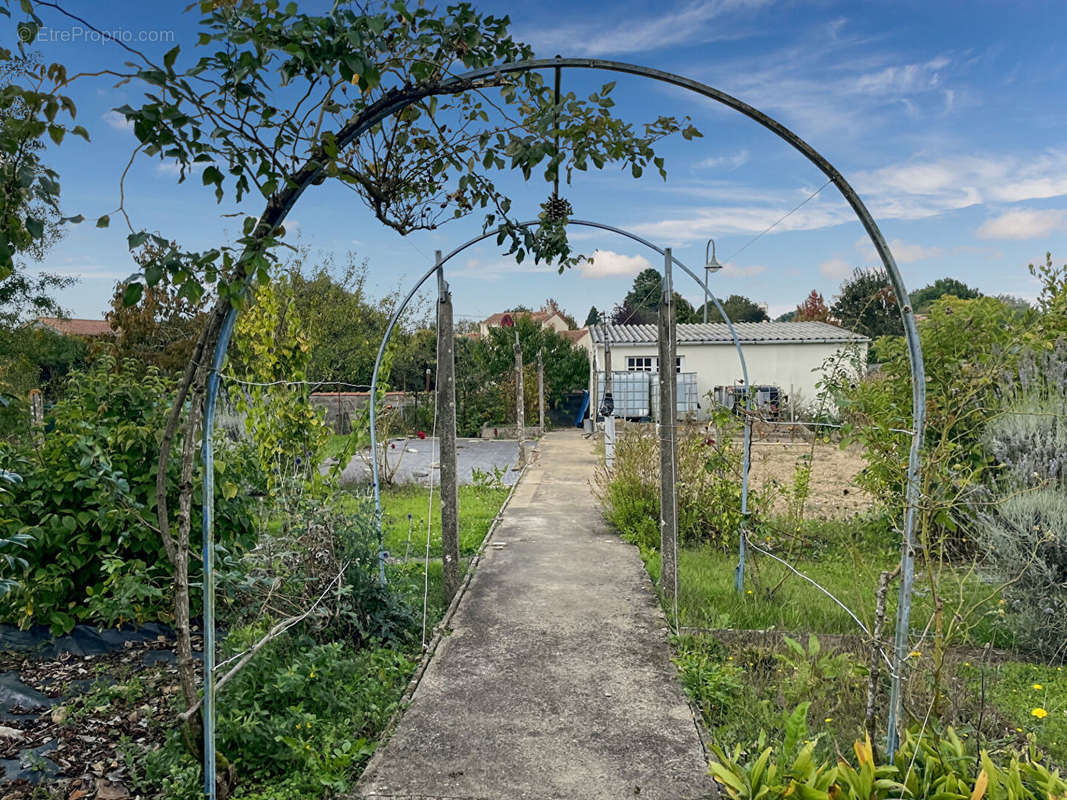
{"points": [[480, 78], [375, 477]]}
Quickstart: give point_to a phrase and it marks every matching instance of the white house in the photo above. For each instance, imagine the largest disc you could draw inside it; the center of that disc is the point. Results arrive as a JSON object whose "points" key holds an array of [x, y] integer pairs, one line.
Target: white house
{"points": [[788, 355]]}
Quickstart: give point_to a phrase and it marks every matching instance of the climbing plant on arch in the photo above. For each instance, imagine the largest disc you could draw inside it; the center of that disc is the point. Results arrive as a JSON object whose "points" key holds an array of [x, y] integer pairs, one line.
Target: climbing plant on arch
{"points": [[379, 84]]}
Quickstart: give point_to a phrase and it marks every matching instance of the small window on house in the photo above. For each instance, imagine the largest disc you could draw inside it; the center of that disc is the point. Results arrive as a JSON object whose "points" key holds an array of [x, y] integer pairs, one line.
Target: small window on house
{"points": [[640, 363]]}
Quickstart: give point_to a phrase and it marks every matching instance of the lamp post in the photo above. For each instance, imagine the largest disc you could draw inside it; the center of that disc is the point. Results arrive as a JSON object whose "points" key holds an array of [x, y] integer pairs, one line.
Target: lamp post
{"points": [[710, 265]]}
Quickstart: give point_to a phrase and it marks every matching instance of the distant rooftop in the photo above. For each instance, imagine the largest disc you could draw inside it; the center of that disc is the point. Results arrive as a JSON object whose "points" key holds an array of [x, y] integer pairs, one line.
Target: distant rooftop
{"points": [[719, 333], [77, 327]]}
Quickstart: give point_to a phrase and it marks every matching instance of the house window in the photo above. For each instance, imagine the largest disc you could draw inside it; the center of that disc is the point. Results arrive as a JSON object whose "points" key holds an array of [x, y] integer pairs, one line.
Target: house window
{"points": [[641, 363], [649, 364]]}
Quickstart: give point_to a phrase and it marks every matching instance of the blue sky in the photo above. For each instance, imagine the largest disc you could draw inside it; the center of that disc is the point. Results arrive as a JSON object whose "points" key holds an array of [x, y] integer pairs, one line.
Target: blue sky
{"points": [[948, 117]]}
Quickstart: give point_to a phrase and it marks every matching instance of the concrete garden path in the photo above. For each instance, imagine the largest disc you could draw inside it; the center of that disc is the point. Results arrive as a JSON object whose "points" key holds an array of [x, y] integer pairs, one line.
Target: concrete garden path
{"points": [[555, 682]]}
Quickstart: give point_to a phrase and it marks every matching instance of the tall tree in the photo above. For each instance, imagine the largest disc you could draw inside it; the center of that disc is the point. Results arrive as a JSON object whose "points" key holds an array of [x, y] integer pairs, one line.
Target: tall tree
{"points": [[739, 308], [343, 322], [641, 304], [160, 329], [30, 107], [922, 299], [29, 225], [593, 317], [867, 304], [813, 309]]}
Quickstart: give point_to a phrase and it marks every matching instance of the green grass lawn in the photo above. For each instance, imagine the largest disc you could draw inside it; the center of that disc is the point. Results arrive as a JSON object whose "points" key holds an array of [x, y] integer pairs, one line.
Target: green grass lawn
{"points": [[775, 597], [404, 513], [1031, 697], [405, 510], [333, 447], [746, 686]]}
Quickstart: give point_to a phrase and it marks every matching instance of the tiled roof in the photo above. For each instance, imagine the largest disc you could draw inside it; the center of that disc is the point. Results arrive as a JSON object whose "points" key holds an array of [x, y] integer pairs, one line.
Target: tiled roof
{"points": [[575, 336], [719, 333], [537, 316], [77, 327]]}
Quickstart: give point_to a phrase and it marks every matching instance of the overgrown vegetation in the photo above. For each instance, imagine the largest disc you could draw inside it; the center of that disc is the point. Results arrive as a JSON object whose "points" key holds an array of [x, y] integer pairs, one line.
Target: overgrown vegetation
{"points": [[803, 654], [485, 373], [84, 505]]}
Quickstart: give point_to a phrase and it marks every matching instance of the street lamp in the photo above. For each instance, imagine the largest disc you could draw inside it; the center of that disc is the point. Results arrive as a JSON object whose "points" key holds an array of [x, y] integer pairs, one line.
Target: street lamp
{"points": [[710, 265]]}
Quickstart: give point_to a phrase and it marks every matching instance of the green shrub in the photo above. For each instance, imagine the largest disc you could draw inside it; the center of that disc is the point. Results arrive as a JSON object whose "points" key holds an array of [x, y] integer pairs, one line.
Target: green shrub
{"points": [[630, 492], [86, 504], [927, 765], [299, 721], [319, 555], [713, 684], [1024, 535], [1025, 541], [709, 485]]}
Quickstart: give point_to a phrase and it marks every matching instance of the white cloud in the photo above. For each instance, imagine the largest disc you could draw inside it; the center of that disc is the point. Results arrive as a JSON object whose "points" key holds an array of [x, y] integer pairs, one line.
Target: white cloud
{"points": [[90, 274], [115, 120], [843, 88], [730, 162], [697, 224], [173, 168], [1024, 223], [903, 252], [902, 79], [917, 189], [734, 271], [909, 190], [689, 24], [609, 264], [836, 268]]}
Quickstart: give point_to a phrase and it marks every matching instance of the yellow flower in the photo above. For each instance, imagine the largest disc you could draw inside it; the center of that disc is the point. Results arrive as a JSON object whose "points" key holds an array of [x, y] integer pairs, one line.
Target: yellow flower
{"points": [[312, 674], [828, 719], [914, 654], [749, 592], [1040, 713], [1038, 686], [1018, 730]]}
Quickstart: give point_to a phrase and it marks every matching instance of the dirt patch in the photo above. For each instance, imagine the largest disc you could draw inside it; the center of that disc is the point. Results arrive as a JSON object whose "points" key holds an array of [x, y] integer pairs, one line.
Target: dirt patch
{"points": [[834, 493], [65, 735]]}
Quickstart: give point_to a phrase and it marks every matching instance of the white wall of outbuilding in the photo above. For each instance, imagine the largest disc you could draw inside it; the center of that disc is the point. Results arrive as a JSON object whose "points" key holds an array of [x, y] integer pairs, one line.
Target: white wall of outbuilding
{"points": [[795, 368]]}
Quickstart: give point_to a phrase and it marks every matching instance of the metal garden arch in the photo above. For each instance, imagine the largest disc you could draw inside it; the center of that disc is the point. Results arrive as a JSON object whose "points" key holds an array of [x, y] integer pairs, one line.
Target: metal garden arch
{"points": [[484, 78], [439, 268], [482, 237]]}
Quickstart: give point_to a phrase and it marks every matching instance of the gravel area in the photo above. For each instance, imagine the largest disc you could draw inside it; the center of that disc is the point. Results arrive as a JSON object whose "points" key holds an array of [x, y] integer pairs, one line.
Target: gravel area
{"points": [[417, 458]]}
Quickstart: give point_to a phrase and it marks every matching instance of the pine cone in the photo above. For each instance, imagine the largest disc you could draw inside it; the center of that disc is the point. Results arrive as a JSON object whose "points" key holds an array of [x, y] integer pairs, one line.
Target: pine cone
{"points": [[557, 209]]}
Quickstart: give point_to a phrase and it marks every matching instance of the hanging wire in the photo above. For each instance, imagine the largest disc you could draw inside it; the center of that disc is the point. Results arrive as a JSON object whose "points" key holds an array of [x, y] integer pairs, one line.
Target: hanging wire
{"points": [[429, 512], [235, 379], [672, 385], [777, 222]]}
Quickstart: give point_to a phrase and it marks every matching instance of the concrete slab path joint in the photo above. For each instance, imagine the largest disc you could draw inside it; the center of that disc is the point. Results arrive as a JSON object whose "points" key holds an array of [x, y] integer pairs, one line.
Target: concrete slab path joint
{"points": [[556, 681]]}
